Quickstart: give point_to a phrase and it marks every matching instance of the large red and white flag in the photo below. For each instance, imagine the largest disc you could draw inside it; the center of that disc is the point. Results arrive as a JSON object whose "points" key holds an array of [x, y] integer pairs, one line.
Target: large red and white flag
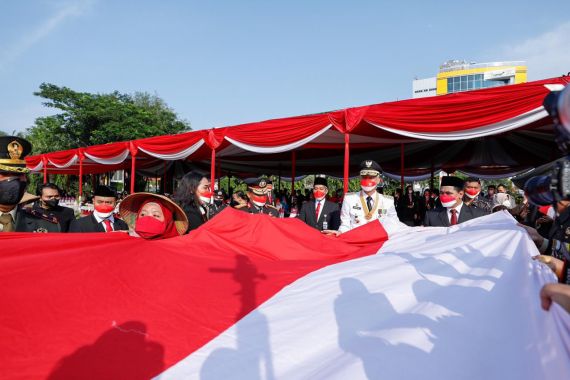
{"points": [[250, 297]]}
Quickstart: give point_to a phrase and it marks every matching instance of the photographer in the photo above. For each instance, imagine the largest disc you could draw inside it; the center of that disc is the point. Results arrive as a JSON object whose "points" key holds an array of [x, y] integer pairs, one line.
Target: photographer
{"points": [[554, 189]]}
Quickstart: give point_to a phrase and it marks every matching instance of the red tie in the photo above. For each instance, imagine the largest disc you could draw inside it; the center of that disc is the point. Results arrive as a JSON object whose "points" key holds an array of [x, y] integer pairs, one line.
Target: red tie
{"points": [[318, 209], [453, 217], [108, 227]]}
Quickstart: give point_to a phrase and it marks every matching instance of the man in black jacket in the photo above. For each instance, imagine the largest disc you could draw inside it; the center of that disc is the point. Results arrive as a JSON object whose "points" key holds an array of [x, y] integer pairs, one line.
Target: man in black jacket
{"points": [[102, 219], [454, 211], [48, 205], [320, 213]]}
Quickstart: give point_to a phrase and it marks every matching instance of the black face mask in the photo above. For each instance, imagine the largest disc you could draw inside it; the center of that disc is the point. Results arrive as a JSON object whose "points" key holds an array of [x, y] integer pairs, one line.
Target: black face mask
{"points": [[11, 191], [52, 203]]}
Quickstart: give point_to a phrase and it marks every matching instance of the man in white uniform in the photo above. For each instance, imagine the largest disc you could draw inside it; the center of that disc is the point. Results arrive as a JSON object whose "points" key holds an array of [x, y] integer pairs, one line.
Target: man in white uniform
{"points": [[368, 205]]}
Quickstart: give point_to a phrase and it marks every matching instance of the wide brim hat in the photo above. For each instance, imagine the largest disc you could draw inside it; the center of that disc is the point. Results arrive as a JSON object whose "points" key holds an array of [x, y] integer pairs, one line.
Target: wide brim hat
{"points": [[130, 206], [13, 151]]}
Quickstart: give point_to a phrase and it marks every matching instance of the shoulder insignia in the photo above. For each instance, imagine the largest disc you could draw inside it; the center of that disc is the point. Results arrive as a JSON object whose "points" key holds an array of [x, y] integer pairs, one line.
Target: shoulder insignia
{"points": [[273, 207], [240, 206], [37, 214]]}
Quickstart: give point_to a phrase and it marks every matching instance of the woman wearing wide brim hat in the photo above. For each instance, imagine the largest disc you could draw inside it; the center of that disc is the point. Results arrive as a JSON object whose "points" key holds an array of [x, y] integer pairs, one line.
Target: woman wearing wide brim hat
{"points": [[153, 216]]}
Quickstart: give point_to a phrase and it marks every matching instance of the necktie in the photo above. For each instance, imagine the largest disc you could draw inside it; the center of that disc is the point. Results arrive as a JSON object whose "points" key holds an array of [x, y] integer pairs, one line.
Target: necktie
{"points": [[108, 227], [318, 209], [369, 203], [7, 222], [453, 217]]}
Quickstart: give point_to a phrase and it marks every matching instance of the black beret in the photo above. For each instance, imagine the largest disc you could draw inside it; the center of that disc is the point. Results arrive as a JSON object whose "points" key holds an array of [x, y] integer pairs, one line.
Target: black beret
{"points": [[370, 167], [13, 150], [452, 181]]}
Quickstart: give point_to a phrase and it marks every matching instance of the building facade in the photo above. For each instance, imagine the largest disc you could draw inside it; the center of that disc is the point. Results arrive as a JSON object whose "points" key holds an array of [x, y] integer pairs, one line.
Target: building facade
{"points": [[457, 76]]}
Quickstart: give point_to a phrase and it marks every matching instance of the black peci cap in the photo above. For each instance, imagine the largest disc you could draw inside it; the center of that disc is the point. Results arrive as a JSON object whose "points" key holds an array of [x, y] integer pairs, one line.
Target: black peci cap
{"points": [[452, 181], [104, 191], [321, 179]]}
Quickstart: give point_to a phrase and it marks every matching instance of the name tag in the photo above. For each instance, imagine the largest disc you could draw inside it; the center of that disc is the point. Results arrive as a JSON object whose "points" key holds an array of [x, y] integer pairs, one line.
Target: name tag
{"points": [[356, 207]]}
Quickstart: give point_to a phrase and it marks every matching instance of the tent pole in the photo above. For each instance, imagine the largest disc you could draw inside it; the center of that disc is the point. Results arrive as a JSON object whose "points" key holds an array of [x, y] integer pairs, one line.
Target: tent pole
{"points": [[80, 195], [346, 160], [219, 174], [133, 169], [293, 164], [432, 175], [402, 166], [213, 170], [45, 161]]}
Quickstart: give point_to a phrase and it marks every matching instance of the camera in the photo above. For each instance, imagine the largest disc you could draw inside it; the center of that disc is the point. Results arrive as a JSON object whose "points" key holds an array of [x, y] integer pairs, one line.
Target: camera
{"points": [[549, 189]]}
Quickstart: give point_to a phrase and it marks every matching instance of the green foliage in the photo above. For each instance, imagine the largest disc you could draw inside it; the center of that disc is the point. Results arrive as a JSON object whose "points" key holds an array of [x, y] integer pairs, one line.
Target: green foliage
{"points": [[91, 119]]}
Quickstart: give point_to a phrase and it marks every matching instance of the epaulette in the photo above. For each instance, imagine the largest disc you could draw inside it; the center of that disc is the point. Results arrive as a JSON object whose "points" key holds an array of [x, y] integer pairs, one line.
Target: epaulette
{"points": [[240, 206], [40, 215], [268, 205]]}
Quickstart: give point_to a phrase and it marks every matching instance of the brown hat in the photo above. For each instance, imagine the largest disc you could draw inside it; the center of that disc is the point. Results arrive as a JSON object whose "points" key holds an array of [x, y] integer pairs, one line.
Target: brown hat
{"points": [[130, 206], [13, 150]]}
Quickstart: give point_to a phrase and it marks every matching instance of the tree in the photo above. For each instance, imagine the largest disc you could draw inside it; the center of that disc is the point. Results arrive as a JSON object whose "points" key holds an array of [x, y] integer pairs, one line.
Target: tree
{"points": [[91, 119]]}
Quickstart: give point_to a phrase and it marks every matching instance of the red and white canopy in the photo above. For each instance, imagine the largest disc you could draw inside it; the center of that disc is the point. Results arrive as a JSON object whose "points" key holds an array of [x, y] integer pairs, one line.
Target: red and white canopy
{"points": [[501, 130]]}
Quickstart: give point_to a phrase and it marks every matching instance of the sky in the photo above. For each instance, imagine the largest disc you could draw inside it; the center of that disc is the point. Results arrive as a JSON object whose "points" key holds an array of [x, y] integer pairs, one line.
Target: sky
{"points": [[222, 63]]}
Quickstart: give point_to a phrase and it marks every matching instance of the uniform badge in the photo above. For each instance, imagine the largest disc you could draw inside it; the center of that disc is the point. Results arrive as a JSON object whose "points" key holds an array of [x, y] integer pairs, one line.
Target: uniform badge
{"points": [[41, 230], [357, 207], [15, 150], [368, 164], [262, 183], [567, 231], [382, 212]]}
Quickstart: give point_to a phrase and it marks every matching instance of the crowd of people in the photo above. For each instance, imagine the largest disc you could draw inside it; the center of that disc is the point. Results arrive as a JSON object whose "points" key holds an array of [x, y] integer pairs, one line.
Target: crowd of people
{"points": [[153, 216]]}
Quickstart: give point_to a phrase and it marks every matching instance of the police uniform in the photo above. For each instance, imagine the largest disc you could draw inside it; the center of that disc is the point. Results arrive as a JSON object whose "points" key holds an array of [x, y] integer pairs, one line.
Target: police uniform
{"points": [[22, 217], [258, 189], [355, 211]]}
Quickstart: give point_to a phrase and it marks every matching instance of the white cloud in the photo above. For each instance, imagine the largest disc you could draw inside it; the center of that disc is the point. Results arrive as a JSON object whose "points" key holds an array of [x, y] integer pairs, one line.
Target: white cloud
{"points": [[28, 40], [547, 55]]}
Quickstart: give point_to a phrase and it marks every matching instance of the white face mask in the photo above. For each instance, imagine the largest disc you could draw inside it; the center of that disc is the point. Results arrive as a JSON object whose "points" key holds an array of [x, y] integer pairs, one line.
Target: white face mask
{"points": [[205, 200], [448, 204], [368, 188], [259, 204], [103, 215]]}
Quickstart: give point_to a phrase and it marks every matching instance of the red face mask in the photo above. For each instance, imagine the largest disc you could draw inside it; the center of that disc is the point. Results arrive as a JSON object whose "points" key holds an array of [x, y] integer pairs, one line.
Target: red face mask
{"points": [[149, 227], [206, 194], [259, 198], [472, 191], [104, 208], [367, 182], [319, 194]]}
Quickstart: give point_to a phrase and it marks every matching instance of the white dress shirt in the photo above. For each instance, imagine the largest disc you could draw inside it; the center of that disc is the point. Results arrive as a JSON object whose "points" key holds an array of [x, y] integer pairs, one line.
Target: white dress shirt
{"points": [[458, 208]]}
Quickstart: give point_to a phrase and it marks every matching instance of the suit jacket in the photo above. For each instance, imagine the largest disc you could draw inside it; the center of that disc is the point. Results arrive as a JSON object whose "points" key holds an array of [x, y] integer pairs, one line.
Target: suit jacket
{"points": [[329, 210], [90, 224], [439, 218]]}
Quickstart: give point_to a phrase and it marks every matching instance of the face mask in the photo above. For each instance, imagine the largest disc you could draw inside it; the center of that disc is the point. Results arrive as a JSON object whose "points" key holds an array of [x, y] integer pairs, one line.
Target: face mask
{"points": [[205, 197], [149, 227], [367, 184], [319, 194], [52, 203], [447, 200], [11, 191], [258, 200], [104, 211], [472, 193]]}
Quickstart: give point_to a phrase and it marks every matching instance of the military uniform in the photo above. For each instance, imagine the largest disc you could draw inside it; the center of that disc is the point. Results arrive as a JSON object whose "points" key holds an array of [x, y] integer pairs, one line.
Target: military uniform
{"points": [[258, 191], [265, 209], [34, 219], [354, 212], [19, 215], [357, 210]]}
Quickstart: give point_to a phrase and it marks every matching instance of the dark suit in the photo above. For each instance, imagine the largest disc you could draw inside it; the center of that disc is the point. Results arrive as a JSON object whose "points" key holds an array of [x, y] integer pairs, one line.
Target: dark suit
{"points": [[90, 224], [30, 220], [329, 212], [439, 218]]}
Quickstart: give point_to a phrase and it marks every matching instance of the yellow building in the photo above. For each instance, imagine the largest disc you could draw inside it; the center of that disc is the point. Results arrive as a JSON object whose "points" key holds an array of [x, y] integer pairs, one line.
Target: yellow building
{"points": [[457, 76]]}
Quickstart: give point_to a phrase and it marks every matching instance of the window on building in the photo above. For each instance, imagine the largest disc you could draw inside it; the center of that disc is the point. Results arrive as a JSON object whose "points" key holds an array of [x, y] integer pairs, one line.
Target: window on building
{"points": [[472, 82]]}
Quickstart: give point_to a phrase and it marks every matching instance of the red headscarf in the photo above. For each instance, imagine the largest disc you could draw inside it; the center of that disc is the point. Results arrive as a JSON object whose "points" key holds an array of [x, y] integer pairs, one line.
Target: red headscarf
{"points": [[155, 229]]}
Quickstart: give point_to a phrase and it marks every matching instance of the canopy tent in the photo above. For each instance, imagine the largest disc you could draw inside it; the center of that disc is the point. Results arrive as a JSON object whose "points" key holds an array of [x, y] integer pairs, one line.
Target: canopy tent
{"points": [[495, 131]]}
